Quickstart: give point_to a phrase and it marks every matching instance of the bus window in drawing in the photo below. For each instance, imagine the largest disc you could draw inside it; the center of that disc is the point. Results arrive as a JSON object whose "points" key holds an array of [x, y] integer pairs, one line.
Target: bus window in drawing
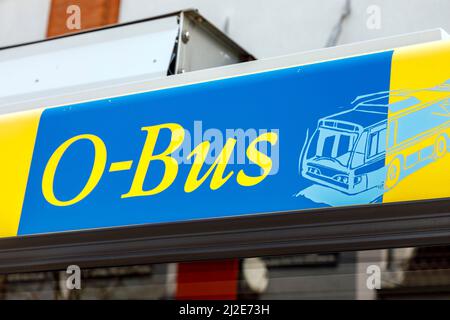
{"points": [[386, 136]]}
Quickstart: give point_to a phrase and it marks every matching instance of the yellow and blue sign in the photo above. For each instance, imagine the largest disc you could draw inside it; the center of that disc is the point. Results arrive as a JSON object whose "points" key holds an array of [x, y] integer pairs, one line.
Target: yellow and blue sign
{"points": [[372, 128]]}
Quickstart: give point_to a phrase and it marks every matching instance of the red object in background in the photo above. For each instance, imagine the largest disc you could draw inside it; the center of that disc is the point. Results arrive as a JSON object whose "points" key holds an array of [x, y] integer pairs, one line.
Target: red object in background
{"points": [[94, 13], [207, 280]]}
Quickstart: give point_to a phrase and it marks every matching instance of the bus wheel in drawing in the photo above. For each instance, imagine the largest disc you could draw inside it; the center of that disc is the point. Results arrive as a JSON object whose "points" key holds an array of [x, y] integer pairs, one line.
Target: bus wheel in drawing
{"points": [[393, 173], [440, 146]]}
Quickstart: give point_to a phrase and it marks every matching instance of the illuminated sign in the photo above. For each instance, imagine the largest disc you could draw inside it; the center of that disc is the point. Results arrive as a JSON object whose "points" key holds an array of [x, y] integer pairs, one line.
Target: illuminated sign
{"points": [[372, 128]]}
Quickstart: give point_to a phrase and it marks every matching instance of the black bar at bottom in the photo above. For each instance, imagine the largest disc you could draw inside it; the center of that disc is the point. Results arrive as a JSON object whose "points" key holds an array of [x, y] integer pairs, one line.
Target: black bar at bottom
{"points": [[407, 224]]}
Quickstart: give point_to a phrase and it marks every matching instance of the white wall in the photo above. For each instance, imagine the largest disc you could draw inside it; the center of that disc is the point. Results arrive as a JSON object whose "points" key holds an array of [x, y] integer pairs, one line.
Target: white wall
{"points": [[276, 27], [264, 27], [23, 21], [397, 17]]}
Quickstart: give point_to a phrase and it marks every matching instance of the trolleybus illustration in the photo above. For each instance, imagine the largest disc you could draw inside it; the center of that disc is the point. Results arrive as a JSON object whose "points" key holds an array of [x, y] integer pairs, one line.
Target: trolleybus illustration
{"points": [[385, 137]]}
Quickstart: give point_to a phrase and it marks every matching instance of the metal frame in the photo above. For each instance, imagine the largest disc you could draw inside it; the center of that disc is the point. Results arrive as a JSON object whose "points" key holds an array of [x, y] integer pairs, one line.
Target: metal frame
{"points": [[365, 227], [192, 12], [162, 49], [207, 38], [111, 89]]}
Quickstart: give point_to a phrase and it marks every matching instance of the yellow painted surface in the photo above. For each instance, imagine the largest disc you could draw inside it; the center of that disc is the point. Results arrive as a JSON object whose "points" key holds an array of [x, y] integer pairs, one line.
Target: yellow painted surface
{"points": [[17, 137], [120, 166], [419, 67]]}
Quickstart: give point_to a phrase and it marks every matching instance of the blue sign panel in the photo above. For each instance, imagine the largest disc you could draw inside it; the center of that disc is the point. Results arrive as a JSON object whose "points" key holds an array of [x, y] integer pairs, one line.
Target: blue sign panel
{"points": [[251, 144]]}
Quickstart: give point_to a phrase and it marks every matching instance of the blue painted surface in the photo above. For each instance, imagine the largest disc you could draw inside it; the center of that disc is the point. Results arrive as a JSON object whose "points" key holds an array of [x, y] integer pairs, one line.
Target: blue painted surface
{"points": [[289, 100]]}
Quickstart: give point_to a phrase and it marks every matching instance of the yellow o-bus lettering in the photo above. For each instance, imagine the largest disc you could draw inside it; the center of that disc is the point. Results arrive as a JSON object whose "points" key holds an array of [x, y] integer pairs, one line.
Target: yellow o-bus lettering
{"points": [[96, 173], [147, 156], [259, 158]]}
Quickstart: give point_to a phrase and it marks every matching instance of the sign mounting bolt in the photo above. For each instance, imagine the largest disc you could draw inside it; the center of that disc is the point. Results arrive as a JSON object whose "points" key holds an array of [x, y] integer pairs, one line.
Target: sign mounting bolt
{"points": [[185, 36]]}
